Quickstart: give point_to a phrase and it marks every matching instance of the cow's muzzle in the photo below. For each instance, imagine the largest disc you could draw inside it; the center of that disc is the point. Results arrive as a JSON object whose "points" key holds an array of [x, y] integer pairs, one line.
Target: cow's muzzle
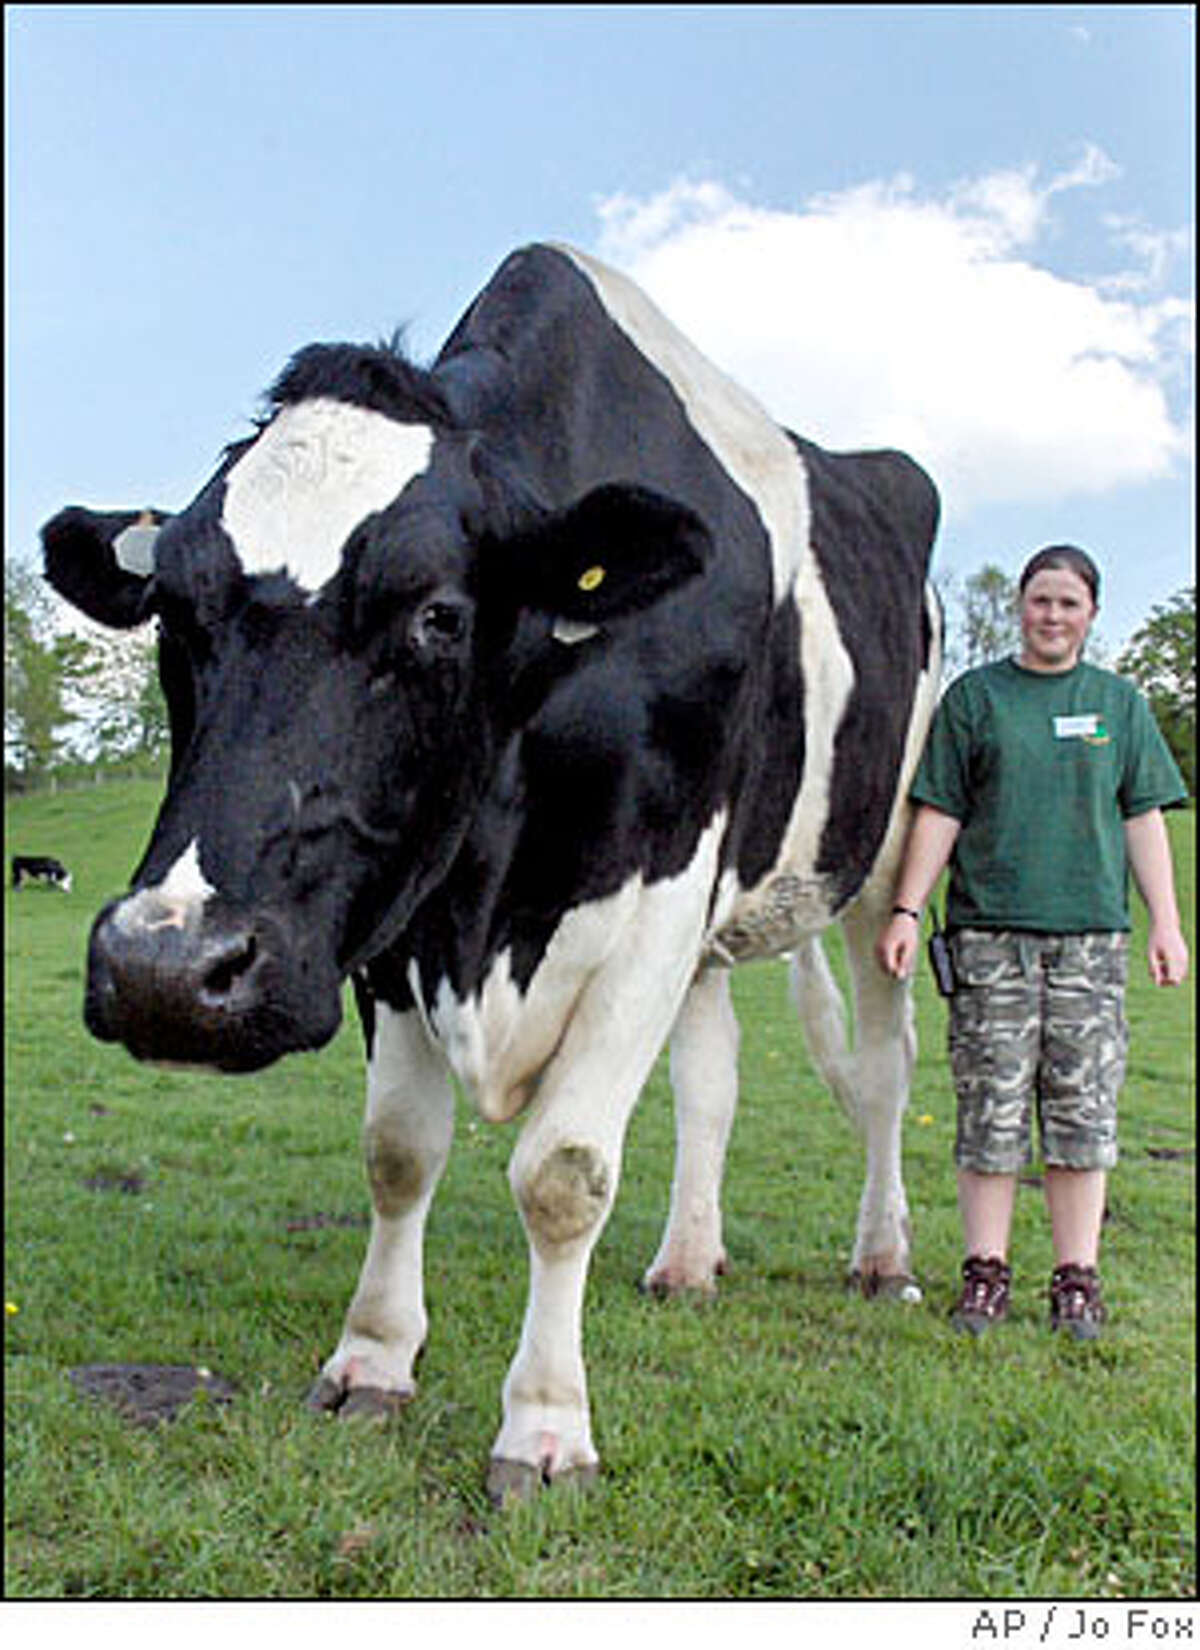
{"points": [[223, 989]]}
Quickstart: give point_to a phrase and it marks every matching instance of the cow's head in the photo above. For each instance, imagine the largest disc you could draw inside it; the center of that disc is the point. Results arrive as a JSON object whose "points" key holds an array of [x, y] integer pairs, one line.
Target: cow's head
{"points": [[355, 615]]}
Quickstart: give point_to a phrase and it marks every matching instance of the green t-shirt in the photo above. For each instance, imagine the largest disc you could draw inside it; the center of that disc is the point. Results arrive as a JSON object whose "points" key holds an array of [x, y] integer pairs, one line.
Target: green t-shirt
{"points": [[1041, 769]]}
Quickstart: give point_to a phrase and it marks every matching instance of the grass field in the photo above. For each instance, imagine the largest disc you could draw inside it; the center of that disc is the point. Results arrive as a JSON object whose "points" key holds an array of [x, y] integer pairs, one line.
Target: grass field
{"points": [[789, 1440]]}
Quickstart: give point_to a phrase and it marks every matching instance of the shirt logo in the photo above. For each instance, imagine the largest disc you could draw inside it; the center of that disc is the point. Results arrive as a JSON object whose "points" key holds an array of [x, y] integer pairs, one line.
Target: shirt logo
{"points": [[1088, 727]]}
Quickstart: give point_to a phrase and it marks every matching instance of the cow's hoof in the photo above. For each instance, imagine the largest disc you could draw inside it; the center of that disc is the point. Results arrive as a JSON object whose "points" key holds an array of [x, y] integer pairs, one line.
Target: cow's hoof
{"points": [[325, 1396], [665, 1284], [511, 1481], [358, 1402], [661, 1288], [899, 1286], [374, 1403]]}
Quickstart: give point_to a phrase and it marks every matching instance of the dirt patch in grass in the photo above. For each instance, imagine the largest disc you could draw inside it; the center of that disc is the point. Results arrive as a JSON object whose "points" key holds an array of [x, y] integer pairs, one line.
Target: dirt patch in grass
{"points": [[149, 1393], [316, 1223], [128, 1181]]}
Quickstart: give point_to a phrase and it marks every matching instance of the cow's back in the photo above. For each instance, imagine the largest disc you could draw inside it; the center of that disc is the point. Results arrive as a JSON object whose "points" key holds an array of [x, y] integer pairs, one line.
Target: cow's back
{"points": [[775, 689]]}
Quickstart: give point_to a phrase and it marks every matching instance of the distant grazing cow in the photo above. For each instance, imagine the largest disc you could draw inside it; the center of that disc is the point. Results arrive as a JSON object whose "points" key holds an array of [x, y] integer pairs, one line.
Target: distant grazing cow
{"points": [[40, 868], [532, 692]]}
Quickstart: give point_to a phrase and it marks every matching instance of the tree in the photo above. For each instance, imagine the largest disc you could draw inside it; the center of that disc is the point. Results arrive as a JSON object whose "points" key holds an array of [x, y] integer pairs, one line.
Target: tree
{"points": [[981, 618], [1161, 659], [154, 726], [114, 695], [991, 627], [83, 695], [35, 660]]}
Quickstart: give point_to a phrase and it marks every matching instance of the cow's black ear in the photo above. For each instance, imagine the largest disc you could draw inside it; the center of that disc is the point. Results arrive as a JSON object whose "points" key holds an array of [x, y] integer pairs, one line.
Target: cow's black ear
{"points": [[617, 550], [102, 562]]}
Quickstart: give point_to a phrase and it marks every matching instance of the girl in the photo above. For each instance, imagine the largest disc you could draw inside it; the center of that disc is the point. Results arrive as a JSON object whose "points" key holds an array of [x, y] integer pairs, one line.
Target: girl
{"points": [[1043, 781]]}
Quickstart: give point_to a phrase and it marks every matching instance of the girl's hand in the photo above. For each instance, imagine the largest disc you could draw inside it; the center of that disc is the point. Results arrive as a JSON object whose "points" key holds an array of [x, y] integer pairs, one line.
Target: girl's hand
{"points": [[897, 946], [1167, 954]]}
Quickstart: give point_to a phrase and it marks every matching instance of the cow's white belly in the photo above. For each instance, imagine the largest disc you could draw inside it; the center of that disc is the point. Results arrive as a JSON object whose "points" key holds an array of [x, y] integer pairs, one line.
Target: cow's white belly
{"points": [[785, 908]]}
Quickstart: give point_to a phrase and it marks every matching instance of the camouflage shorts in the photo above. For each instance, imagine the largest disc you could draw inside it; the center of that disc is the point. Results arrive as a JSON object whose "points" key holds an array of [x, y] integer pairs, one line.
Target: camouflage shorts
{"points": [[1038, 1020]]}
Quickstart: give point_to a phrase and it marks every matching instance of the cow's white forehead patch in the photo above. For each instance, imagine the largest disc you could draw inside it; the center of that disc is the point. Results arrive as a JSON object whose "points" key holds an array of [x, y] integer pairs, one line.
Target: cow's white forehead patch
{"points": [[312, 476]]}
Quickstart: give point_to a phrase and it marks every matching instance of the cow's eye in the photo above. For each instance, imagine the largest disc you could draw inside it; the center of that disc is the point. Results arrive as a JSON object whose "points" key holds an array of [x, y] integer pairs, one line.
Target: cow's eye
{"points": [[440, 627], [437, 632]]}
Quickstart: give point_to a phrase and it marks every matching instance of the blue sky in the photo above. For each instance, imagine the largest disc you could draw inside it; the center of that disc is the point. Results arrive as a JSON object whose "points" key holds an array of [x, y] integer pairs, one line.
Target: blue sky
{"points": [[962, 230]]}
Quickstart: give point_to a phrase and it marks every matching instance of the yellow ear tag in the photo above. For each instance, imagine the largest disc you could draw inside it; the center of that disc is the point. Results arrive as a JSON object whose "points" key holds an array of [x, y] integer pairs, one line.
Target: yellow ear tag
{"points": [[592, 579]]}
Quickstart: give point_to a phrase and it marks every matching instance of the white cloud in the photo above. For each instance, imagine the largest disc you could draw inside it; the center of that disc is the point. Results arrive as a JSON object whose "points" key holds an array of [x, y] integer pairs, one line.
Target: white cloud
{"points": [[883, 316]]}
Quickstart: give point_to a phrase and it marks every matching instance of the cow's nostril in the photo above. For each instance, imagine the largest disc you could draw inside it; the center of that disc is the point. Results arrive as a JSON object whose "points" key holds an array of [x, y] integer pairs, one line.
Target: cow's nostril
{"points": [[236, 958]]}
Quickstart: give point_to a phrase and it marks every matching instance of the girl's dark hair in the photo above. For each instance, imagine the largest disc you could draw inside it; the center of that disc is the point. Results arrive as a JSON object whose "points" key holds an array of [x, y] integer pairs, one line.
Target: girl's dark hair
{"points": [[1069, 558]]}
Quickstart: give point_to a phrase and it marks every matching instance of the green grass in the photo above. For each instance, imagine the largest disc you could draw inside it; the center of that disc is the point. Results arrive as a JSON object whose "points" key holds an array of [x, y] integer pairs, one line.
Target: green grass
{"points": [[787, 1441]]}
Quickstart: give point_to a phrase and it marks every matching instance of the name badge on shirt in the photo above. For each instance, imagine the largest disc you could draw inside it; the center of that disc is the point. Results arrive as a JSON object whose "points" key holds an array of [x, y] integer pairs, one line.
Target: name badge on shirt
{"points": [[1089, 727]]}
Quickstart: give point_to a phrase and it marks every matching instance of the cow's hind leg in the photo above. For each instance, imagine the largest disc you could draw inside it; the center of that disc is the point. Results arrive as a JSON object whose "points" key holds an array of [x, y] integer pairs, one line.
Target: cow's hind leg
{"points": [[871, 1081], [704, 1054], [406, 1137]]}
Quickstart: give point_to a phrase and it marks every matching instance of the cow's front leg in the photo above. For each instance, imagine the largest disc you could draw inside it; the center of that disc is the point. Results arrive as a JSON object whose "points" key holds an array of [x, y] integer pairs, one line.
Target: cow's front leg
{"points": [[704, 1077], [565, 1169], [406, 1139], [564, 1175]]}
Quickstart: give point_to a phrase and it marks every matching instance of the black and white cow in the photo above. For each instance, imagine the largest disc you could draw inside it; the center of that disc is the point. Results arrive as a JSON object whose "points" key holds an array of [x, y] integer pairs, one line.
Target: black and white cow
{"points": [[42, 868], [532, 692]]}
